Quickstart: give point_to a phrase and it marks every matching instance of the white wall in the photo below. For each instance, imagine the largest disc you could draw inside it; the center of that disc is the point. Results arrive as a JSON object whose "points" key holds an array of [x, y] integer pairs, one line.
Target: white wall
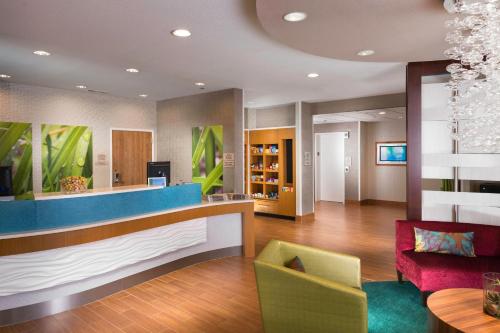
{"points": [[41, 105], [382, 182]]}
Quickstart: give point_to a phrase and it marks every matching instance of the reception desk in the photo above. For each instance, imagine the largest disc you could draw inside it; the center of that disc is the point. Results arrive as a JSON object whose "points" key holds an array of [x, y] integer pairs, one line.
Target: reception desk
{"points": [[59, 251]]}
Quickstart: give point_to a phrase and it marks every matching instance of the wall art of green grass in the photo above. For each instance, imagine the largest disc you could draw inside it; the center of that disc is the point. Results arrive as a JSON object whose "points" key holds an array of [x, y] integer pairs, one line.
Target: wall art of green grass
{"points": [[207, 152], [66, 151], [16, 151]]}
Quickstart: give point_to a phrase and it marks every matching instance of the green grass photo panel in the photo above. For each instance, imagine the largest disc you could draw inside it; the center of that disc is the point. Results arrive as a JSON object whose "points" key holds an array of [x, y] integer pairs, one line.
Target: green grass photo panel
{"points": [[207, 160], [16, 151], [66, 151]]}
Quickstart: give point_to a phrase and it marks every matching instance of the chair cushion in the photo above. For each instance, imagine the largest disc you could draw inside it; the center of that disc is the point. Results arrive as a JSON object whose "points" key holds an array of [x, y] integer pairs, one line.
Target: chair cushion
{"points": [[457, 243], [296, 264], [435, 271]]}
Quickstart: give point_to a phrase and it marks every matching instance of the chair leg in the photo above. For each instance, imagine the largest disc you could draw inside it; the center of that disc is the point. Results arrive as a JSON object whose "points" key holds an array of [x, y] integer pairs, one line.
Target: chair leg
{"points": [[400, 276], [425, 295]]}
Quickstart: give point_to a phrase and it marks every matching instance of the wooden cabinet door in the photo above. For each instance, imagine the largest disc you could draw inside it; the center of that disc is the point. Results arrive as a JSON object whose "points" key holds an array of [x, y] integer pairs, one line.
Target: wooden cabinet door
{"points": [[132, 150]]}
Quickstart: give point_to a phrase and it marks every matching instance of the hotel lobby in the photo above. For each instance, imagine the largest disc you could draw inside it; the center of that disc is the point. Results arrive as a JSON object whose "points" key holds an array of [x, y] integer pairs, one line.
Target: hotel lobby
{"points": [[267, 166]]}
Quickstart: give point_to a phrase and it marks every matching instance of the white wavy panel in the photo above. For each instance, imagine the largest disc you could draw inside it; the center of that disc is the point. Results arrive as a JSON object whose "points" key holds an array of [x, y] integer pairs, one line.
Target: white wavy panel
{"points": [[45, 269], [462, 160], [435, 101], [461, 198]]}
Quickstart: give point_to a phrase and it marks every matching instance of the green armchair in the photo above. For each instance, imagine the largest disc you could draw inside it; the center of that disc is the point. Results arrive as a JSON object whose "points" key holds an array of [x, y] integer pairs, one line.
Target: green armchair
{"points": [[326, 298]]}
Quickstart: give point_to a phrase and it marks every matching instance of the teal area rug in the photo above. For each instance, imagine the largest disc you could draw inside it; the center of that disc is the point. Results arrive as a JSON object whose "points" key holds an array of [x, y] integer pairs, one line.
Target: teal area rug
{"points": [[395, 308]]}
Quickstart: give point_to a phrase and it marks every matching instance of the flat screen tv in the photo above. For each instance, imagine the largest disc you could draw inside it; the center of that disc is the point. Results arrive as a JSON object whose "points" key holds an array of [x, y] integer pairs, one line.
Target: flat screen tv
{"points": [[159, 169], [6, 188], [391, 153]]}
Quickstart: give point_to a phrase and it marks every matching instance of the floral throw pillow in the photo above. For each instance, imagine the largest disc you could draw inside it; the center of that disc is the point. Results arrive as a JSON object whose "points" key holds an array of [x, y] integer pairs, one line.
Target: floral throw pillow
{"points": [[460, 244]]}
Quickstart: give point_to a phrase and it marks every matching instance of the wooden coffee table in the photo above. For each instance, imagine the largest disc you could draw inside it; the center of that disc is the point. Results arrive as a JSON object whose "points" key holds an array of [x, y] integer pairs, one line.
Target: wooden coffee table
{"points": [[460, 310]]}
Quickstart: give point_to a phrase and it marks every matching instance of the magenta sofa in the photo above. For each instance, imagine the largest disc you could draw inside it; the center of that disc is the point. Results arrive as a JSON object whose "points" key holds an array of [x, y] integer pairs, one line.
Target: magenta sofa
{"points": [[434, 271]]}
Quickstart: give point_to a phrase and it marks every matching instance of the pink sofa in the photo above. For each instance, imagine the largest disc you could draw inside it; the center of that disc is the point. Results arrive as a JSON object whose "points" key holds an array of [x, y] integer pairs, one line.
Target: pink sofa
{"points": [[434, 271]]}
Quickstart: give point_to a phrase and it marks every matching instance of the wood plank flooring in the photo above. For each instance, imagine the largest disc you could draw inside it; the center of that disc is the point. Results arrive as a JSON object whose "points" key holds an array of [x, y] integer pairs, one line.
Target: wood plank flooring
{"points": [[220, 295]]}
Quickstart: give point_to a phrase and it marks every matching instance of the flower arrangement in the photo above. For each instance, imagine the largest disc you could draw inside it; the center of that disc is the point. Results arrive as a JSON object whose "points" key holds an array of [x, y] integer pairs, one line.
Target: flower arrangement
{"points": [[491, 287], [74, 184]]}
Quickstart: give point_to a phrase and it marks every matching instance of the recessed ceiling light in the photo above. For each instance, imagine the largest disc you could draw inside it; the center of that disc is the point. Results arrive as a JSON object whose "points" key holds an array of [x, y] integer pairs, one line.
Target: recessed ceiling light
{"points": [[132, 70], [199, 84], [5, 76], [365, 53], [41, 53], [382, 112], [312, 75], [143, 95], [81, 86], [295, 17], [181, 33]]}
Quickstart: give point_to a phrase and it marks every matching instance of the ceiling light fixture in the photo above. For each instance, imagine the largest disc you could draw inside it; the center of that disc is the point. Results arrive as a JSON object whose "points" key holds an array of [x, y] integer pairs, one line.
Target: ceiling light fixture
{"points": [[81, 86], [365, 53], [143, 95], [312, 75], [41, 53], [295, 17], [199, 84], [132, 70], [382, 112], [181, 33], [5, 76]]}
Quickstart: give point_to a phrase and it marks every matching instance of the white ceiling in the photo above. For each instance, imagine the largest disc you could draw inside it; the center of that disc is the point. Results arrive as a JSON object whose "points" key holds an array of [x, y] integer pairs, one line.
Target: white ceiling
{"points": [[397, 30], [93, 41], [367, 115]]}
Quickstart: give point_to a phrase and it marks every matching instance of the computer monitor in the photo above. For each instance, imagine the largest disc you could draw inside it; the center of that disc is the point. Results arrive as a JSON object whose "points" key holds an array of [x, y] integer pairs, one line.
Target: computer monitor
{"points": [[159, 169], [6, 188]]}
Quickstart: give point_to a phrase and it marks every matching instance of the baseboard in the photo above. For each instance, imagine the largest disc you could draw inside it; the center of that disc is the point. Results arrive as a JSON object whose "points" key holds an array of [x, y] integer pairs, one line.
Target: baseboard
{"points": [[386, 203], [305, 218], [353, 202], [39, 310], [284, 217]]}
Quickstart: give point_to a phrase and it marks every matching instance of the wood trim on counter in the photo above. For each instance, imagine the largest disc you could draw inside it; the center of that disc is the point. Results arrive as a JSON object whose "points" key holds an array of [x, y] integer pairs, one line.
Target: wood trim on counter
{"points": [[48, 241]]}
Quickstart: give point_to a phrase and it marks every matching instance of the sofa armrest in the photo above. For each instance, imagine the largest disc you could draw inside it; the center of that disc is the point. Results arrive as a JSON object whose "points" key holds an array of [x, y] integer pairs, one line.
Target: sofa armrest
{"points": [[342, 268], [308, 303]]}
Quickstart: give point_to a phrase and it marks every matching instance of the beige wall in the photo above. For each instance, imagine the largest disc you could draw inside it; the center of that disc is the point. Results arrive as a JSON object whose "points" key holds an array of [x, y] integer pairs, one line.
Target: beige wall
{"points": [[307, 170], [40, 105], [382, 182], [360, 104], [177, 117], [351, 149], [276, 116]]}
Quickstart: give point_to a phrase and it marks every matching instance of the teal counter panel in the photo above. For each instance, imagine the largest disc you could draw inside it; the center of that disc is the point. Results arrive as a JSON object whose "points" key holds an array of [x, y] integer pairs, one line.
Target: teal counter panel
{"points": [[29, 216]]}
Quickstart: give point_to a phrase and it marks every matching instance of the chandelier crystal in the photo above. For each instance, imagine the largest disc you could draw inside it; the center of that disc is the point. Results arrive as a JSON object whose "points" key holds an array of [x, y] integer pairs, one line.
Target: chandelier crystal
{"points": [[475, 78]]}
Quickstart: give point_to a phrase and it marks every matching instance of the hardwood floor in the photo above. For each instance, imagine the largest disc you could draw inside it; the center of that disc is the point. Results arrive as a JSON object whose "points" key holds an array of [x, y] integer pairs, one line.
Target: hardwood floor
{"points": [[220, 295]]}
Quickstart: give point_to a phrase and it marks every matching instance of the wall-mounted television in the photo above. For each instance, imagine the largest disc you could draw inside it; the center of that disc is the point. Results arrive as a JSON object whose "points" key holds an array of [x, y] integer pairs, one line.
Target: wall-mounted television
{"points": [[391, 153]]}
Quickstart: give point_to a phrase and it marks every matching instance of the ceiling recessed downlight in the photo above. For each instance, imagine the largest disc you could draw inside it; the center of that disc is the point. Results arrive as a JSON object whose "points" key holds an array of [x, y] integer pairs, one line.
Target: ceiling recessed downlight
{"points": [[181, 33], [132, 70], [364, 53], [81, 86], [382, 112], [41, 53], [312, 75], [143, 95], [295, 17], [199, 84], [5, 76]]}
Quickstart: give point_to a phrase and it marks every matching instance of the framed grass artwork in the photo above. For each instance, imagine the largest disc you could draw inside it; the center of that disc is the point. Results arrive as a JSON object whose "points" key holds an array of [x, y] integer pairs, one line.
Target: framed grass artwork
{"points": [[16, 151], [207, 158], [66, 151]]}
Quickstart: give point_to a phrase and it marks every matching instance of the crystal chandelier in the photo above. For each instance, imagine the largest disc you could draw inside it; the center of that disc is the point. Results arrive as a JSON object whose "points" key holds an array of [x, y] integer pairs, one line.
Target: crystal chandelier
{"points": [[475, 78]]}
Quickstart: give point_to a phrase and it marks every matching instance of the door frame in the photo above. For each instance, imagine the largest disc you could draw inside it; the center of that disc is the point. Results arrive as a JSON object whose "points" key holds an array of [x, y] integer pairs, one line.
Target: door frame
{"points": [[317, 165], [153, 146]]}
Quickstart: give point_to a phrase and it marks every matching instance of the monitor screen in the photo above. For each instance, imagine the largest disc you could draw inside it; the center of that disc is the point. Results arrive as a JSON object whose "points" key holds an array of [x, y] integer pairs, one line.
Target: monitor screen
{"points": [[6, 188], [159, 169], [391, 153]]}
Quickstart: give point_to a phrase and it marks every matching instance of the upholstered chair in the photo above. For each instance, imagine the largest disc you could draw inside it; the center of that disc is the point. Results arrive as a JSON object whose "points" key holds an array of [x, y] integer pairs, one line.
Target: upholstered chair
{"points": [[326, 298]]}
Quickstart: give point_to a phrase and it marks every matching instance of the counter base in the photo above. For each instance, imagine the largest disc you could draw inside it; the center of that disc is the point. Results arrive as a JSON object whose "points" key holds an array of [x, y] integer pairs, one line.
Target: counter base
{"points": [[42, 309]]}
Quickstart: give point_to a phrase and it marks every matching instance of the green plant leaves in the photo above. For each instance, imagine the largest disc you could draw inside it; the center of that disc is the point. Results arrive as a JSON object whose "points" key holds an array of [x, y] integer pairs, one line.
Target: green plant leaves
{"points": [[207, 164]]}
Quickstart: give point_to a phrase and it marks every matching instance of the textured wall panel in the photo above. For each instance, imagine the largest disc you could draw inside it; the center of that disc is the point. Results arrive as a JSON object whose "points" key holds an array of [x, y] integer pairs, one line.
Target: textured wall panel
{"points": [[45, 269]]}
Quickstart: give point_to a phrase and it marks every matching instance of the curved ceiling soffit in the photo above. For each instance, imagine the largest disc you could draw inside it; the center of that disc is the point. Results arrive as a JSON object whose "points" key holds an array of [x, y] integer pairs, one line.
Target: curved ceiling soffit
{"points": [[398, 31]]}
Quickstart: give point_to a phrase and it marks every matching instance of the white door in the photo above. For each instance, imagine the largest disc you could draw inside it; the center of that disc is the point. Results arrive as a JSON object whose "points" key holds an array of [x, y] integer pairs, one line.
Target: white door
{"points": [[331, 180]]}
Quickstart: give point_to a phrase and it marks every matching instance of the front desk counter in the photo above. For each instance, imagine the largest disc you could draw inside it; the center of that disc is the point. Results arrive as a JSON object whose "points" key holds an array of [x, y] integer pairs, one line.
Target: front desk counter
{"points": [[58, 251]]}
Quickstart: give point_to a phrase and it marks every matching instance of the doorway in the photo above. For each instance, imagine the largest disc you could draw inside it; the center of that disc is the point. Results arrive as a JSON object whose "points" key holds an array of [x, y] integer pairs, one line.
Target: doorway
{"points": [[131, 151], [330, 174]]}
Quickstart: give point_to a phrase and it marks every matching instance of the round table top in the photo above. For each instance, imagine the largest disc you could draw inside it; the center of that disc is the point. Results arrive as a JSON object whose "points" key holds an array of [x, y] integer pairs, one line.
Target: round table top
{"points": [[462, 309]]}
